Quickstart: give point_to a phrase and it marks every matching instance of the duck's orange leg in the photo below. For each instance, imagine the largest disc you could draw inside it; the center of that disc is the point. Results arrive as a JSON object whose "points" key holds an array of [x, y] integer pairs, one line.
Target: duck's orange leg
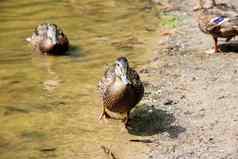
{"points": [[216, 49], [126, 120], [103, 113]]}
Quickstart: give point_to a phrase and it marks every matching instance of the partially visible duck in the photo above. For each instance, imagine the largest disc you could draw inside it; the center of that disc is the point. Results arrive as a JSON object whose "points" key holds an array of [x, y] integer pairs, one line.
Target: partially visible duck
{"points": [[218, 20], [49, 38], [120, 89]]}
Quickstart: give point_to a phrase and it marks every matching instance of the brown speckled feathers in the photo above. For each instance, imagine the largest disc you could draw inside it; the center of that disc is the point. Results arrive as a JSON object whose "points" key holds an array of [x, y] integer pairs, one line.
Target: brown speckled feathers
{"points": [[117, 97]]}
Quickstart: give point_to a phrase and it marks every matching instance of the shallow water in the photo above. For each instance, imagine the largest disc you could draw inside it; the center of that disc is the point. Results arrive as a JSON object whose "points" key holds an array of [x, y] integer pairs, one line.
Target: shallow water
{"points": [[49, 105]]}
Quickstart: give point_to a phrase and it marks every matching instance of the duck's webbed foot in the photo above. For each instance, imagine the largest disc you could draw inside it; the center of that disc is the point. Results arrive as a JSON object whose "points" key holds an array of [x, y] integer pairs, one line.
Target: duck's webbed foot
{"points": [[103, 115]]}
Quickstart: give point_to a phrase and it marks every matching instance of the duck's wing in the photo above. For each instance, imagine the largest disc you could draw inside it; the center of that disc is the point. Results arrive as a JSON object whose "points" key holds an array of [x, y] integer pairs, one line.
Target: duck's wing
{"points": [[230, 23], [106, 80], [216, 22], [137, 83], [226, 25]]}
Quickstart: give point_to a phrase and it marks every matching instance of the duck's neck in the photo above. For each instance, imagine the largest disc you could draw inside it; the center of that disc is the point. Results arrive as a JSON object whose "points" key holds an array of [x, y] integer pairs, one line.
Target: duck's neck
{"points": [[118, 87]]}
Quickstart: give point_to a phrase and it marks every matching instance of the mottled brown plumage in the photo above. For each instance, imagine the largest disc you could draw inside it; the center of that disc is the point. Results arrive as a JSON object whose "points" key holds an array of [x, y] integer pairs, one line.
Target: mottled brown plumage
{"points": [[120, 90], [218, 20], [49, 38]]}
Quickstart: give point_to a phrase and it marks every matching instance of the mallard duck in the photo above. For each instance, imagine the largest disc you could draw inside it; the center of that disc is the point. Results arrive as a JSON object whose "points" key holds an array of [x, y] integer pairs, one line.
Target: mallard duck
{"points": [[120, 89], [49, 38], [218, 20]]}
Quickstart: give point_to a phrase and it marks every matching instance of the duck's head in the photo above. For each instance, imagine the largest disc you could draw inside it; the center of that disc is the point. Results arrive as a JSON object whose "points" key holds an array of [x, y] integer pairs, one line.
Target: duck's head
{"points": [[52, 34], [50, 38], [121, 70]]}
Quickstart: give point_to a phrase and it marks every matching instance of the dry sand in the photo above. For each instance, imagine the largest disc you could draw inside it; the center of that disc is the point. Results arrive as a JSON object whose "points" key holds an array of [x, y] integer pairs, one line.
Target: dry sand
{"points": [[191, 97]]}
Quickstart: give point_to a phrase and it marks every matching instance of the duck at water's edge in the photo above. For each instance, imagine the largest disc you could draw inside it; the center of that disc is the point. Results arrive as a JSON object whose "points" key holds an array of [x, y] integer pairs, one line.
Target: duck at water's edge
{"points": [[218, 20], [120, 89], [49, 38]]}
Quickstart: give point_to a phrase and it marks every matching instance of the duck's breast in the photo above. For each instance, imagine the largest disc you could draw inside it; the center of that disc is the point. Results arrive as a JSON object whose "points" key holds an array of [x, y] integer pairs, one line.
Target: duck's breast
{"points": [[119, 97]]}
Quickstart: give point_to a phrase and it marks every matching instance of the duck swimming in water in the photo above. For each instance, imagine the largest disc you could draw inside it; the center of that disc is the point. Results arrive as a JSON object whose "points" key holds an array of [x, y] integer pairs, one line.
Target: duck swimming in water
{"points": [[49, 38]]}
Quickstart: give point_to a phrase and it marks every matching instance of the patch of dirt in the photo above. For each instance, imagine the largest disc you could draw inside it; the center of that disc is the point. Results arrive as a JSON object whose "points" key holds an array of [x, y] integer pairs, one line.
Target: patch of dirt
{"points": [[199, 90]]}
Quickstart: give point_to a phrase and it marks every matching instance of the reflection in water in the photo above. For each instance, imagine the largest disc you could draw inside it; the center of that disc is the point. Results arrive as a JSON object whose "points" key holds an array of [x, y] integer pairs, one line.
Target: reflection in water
{"points": [[49, 105], [46, 63]]}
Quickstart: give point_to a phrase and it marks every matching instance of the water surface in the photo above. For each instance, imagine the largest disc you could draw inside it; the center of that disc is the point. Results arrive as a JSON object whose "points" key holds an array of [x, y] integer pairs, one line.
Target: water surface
{"points": [[49, 105]]}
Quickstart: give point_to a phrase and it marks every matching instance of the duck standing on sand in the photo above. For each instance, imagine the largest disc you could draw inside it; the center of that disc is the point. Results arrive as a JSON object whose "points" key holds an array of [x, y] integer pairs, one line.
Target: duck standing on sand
{"points": [[120, 89], [49, 38], [218, 20]]}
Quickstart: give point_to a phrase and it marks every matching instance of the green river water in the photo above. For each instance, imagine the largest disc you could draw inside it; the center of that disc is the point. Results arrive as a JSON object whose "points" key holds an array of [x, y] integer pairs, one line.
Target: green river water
{"points": [[49, 105]]}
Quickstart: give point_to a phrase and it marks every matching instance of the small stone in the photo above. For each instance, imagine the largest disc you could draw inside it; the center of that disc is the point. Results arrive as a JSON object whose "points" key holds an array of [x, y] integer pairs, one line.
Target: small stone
{"points": [[169, 102]]}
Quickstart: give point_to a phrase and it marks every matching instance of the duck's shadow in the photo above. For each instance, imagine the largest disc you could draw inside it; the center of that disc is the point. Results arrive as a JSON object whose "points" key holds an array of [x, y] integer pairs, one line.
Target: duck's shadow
{"points": [[74, 51], [147, 120], [229, 47]]}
